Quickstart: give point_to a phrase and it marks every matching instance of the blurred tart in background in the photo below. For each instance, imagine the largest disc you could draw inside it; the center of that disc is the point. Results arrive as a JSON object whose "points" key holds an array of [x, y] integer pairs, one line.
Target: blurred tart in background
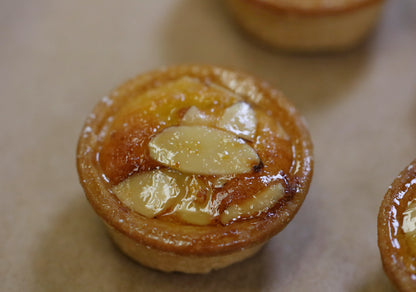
{"points": [[307, 25]]}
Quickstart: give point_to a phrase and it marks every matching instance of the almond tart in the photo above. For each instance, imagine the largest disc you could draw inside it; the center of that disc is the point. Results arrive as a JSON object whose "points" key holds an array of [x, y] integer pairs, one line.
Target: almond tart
{"points": [[307, 25], [193, 168], [397, 230]]}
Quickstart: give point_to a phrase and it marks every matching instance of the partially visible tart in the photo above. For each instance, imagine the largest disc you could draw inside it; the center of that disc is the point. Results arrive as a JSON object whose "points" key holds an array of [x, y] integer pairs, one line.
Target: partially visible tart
{"points": [[307, 25], [193, 168], [397, 230]]}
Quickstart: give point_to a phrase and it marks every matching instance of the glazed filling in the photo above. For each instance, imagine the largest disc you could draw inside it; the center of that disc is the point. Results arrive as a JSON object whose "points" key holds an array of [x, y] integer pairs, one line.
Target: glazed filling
{"points": [[196, 153]]}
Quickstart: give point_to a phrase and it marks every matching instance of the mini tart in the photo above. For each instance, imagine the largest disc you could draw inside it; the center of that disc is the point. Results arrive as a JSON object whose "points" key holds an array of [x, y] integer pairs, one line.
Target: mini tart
{"points": [[193, 168], [397, 230], [307, 25]]}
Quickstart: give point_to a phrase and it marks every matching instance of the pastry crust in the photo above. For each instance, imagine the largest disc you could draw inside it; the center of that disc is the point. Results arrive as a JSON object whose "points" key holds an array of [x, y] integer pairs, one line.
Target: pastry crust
{"points": [[170, 262], [307, 26], [397, 254], [191, 248]]}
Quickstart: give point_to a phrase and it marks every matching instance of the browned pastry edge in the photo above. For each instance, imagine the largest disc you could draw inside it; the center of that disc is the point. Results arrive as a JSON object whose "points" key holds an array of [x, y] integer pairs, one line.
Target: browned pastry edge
{"points": [[170, 262], [322, 10], [188, 239], [306, 31], [392, 260]]}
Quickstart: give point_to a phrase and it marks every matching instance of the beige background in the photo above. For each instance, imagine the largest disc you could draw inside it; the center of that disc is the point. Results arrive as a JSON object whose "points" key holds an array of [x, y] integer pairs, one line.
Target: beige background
{"points": [[58, 58]]}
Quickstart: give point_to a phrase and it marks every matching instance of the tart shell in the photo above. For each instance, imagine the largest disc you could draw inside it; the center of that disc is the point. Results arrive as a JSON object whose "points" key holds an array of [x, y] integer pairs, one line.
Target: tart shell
{"points": [[169, 246], [170, 262]]}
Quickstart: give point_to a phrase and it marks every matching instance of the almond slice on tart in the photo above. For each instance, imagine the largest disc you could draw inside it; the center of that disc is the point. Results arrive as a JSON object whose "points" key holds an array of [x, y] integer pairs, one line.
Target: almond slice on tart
{"points": [[257, 204], [195, 207], [150, 193], [239, 119], [194, 116], [193, 168], [203, 150]]}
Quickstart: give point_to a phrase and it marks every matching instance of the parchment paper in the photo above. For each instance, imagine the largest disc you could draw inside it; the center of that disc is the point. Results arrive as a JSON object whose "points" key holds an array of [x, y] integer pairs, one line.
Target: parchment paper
{"points": [[58, 58]]}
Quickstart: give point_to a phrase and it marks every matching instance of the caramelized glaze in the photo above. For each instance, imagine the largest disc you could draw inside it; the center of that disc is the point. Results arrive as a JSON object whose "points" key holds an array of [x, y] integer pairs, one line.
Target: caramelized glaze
{"points": [[125, 151]]}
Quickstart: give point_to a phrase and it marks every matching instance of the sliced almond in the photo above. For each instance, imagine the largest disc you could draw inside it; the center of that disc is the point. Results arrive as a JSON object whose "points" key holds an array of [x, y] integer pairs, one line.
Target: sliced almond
{"points": [[220, 181], [409, 218], [203, 150], [268, 125], [255, 205], [150, 193], [194, 116], [195, 207], [239, 119], [409, 224], [224, 90]]}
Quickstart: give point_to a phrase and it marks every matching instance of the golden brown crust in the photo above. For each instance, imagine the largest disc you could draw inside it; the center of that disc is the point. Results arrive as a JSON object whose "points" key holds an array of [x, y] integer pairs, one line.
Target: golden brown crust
{"points": [[190, 240], [316, 27], [170, 262], [313, 7], [396, 254]]}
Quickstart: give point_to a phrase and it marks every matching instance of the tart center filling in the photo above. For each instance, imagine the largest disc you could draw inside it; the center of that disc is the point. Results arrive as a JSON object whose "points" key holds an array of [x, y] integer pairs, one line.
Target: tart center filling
{"points": [[196, 153]]}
